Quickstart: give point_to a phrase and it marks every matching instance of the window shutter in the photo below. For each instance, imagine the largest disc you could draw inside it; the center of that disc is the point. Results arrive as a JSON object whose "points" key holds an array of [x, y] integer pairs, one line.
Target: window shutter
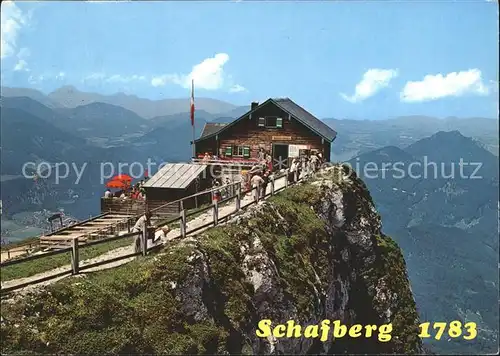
{"points": [[246, 152], [279, 122], [229, 151], [262, 122]]}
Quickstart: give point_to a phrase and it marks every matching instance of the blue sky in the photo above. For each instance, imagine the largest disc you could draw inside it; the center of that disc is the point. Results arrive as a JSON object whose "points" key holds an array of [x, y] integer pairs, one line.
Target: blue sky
{"points": [[337, 59]]}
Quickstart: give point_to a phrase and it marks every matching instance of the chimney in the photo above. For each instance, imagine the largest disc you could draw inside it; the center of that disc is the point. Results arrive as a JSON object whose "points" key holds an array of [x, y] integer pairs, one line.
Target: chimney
{"points": [[254, 105]]}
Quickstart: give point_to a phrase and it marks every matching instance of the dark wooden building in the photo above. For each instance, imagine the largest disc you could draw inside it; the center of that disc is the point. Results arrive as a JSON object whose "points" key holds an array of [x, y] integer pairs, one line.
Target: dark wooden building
{"points": [[175, 181], [279, 126]]}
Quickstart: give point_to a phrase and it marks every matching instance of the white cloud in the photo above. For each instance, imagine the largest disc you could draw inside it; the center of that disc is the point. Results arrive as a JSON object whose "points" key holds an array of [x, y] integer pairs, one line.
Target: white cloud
{"points": [[208, 75], [237, 89], [372, 82], [115, 78], [21, 65], [437, 86], [162, 80], [12, 20], [94, 76]]}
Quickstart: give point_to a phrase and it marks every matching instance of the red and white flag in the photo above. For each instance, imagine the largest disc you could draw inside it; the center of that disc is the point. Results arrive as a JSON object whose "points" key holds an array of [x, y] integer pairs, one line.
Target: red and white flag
{"points": [[192, 102]]}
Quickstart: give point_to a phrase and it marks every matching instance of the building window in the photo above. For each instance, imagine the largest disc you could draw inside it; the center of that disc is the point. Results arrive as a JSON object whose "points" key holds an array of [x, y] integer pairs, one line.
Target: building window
{"points": [[241, 151], [271, 122], [229, 151]]}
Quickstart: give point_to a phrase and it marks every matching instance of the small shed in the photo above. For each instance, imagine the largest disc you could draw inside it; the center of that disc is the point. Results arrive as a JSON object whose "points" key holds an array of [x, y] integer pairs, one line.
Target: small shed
{"points": [[175, 181]]}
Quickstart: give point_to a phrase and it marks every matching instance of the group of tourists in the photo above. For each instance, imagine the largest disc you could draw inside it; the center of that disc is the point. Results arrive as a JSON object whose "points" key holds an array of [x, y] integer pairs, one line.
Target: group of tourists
{"points": [[222, 191], [265, 159], [258, 178], [136, 191], [305, 165]]}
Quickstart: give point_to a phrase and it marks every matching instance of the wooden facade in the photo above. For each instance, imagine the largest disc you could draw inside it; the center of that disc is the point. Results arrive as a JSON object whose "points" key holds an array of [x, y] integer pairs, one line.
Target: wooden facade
{"points": [[158, 197], [270, 126]]}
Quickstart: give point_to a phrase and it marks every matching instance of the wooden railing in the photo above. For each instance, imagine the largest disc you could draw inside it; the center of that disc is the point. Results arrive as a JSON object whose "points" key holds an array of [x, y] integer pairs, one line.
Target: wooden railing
{"points": [[31, 244], [123, 206], [182, 219]]}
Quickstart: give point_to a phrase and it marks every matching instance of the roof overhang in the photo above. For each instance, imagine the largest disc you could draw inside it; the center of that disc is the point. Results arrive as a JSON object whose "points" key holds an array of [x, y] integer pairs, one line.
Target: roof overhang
{"points": [[270, 100]]}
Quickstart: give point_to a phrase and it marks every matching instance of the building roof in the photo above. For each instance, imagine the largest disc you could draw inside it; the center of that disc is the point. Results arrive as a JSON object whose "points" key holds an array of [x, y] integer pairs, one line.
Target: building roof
{"points": [[306, 118], [290, 107], [211, 128], [175, 176]]}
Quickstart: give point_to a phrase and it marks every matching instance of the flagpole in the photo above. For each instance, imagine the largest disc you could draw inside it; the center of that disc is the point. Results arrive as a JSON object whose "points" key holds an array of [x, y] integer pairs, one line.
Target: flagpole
{"points": [[192, 116]]}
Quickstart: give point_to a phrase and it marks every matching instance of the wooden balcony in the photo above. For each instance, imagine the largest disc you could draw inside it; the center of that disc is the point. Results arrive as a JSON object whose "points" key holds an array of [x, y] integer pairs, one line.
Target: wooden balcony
{"points": [[123, 206], [238, 162]]}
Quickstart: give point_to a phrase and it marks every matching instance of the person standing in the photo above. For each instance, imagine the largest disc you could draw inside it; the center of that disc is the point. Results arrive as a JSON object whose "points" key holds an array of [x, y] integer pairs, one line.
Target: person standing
{"points": [[293, 171], [314, 162], [265, 182], [140, 226], [269, 161], [261, 155], [256, 182]]}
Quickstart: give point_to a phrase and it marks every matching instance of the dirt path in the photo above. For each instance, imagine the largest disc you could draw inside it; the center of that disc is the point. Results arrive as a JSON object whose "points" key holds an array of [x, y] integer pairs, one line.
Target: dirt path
{"points": [[122, 251]]}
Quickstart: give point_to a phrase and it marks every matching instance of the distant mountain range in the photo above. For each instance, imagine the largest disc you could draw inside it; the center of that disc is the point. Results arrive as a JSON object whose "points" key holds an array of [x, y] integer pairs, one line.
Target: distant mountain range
{"points": [[358, 136], [446, 223], [70, 97]]}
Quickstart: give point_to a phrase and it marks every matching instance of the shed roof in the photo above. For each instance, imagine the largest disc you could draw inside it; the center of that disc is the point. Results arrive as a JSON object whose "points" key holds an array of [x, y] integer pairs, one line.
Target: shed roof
{"points": [[290, 107], [175, 176]]}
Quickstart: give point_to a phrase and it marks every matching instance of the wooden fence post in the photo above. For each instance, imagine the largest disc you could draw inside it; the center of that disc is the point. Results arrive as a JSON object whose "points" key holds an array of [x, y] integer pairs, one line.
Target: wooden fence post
{"points": [[287, 174], [272, 185], [75, 261], [183, 223], [238, 196], [216, 212], [144, 240]]}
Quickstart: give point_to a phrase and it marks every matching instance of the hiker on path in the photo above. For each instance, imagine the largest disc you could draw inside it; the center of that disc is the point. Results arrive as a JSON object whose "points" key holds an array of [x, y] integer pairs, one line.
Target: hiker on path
{"points": [[140, 226], [293, 171], [314, 163], [162, 235], [269, 161], [265, 182], [256, 182], [216, 192]]}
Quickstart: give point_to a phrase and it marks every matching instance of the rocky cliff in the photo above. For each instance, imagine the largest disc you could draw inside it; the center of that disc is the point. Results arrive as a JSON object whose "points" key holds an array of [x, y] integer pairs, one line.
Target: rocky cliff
{"points": [[313, 252]]}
